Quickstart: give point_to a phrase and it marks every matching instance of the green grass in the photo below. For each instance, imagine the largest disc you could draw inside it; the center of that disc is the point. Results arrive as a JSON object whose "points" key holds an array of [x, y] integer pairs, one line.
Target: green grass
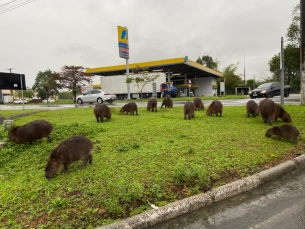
{"points": [[156, 157]]}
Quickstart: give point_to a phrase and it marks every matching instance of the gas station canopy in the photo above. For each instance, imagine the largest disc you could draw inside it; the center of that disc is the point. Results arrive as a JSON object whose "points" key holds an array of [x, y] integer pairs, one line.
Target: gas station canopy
{"points": [[178, 67]]}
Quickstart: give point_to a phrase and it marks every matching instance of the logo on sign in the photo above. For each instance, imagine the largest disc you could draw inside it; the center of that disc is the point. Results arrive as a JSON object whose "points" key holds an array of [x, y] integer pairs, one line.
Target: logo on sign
{"points": [[123, 37]]}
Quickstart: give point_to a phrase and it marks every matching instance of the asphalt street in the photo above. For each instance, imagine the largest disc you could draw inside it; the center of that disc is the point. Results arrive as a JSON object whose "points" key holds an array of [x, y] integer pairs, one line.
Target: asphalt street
{"points": [[294, 99], [277, 205]]}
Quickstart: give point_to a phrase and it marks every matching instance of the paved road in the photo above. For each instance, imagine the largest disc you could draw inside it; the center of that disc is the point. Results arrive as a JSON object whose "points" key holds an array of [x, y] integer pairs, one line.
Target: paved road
{"points": [[292, 99], [278, 205]]}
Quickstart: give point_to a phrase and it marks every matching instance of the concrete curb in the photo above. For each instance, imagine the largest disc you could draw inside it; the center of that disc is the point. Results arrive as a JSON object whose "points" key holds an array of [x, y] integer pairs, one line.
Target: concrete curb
{"points": [[173, 210]]}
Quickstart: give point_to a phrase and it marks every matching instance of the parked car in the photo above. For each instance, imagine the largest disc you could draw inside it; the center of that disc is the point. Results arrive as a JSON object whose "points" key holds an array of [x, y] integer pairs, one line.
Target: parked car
{"points": [[268, 90], [19, 101], [48, 100], [96, 96]]}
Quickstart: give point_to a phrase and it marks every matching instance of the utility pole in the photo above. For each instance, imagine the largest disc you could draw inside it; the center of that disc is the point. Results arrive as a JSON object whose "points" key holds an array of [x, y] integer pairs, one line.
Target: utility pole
{"points": [[302, 50], [282, 72], [244, 69]]}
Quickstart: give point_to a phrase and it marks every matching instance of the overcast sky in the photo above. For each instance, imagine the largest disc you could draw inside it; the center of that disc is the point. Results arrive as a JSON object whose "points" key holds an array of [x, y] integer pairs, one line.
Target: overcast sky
{"points": [[48, 34]]}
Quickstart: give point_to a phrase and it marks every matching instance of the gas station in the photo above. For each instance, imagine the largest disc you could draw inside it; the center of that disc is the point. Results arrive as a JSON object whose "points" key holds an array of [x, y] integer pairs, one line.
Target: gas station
{"points": [[182, 72]]}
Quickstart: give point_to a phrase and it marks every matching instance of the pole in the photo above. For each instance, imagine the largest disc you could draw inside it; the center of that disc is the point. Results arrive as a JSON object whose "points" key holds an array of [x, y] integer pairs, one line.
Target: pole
{"points": [[244, 69], [22, 91], [302, 50], [128, 86], [282, 72]]}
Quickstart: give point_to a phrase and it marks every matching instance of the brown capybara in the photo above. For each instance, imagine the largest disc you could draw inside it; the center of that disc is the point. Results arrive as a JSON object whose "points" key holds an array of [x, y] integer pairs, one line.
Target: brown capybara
{"points": [[31, 132], [270, 111], [198, 104], [189, 110], [286, 131], [130, 107], [252, 108], [152, 104], [215, 108], [101, 111], [70, 150], [167, 102]]}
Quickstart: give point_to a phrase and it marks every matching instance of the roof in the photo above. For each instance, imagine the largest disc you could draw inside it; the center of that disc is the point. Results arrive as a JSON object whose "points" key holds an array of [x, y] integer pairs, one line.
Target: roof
{"points": [[180, 65]]}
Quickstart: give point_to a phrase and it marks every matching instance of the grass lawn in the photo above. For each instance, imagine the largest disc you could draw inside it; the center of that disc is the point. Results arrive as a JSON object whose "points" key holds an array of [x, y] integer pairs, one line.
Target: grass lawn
{"points": [[156, 157]]}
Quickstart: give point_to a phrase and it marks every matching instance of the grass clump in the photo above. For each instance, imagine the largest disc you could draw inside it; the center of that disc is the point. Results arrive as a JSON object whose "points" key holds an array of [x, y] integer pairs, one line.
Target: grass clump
{"points": [[152, 158]]}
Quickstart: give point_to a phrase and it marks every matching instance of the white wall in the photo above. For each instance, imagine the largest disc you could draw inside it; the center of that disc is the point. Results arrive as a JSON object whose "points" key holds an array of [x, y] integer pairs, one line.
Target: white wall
{"points": [[205, 86]]}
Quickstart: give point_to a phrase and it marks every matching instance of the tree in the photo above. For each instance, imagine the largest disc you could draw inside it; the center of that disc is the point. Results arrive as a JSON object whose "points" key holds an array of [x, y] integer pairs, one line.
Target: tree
{"points": [[28, 93], [208, 62], [291, 64], [73, 77], [46, 84], [293, 32], [143, 77], [231, 79]]}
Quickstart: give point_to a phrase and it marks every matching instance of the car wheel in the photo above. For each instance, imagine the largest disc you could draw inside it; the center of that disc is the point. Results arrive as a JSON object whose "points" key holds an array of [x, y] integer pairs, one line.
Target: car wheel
{"points": [[99, 100], [79, 101], [270, 95], [251, 97], [286, 94]]}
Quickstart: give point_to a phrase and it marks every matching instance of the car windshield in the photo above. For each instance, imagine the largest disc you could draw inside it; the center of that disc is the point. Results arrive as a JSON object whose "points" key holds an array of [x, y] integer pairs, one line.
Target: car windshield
{"points": [[264, 86]]}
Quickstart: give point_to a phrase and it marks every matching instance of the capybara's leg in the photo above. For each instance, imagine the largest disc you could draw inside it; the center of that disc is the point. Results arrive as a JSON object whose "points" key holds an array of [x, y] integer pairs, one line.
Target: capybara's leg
{"points": [[102, 118], [189, 117], [49, 139], [216, 114], [90, 159], [270, 122], [65, 168], [97, 118], [220, 114], [137, 112], [248, 115]]}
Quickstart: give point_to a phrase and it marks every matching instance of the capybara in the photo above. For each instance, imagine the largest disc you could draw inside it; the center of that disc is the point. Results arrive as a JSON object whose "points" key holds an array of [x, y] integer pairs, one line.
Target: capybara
{"points": [[70, 150], [286, 131], [167, 102], [30, 132], [130, 107], [252, 108], [189, 110], [271, 111], [198, 104], [152, 104], [101, 111], [215, 108]]}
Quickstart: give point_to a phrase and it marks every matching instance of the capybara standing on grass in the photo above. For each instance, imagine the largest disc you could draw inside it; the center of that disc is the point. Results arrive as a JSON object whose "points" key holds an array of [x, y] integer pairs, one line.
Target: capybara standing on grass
{"points": [[189, 110], [152, 104], [130, 107], [215, 108], [31, 132], [271, 111], [252, 108], [101, 111], [198, 104], [167, 102], [70, 150], [286, 131]]}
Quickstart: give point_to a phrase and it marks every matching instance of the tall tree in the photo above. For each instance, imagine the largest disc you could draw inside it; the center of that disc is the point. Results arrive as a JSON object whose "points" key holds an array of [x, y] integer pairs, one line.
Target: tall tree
{"points": [[293, 32], [291, 64], [46, 84], [73, 77], [231, 78], [208, 62], [142, 78]]}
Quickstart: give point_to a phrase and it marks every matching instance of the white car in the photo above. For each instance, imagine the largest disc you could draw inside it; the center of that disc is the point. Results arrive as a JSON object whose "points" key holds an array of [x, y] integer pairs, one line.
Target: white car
{"points": [[48, 100], [19, 101], [96, 96]]}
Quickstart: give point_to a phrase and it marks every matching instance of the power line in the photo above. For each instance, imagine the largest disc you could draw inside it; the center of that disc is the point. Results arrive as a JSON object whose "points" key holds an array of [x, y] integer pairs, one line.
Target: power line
{"points": [[8, 3], [12, 7]]}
